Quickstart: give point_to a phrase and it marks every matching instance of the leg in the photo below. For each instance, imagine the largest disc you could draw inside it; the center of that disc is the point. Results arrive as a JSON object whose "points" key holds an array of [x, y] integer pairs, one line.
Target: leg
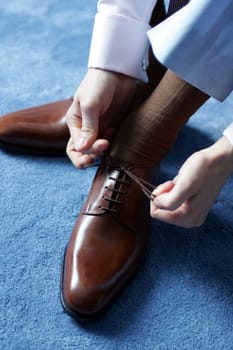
{"points": [[110, 236], [147, 133]]}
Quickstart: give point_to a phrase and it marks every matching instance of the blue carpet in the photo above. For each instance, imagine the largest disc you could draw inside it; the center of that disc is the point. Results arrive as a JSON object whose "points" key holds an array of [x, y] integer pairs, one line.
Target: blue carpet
{"points": [[181, 298]]}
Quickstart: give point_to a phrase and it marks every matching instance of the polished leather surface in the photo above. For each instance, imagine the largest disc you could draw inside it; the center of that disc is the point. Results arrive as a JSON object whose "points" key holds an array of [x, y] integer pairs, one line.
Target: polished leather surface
{"points": [[107, 244], [42, 129]]}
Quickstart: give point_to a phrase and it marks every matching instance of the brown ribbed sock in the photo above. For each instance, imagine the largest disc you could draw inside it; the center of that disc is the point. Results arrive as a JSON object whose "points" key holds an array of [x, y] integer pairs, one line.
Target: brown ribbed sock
{"points": [[148, 132]]}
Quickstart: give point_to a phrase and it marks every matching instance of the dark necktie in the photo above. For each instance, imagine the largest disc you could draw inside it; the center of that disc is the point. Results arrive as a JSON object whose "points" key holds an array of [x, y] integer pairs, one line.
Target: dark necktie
{"points": [[175, 5]]}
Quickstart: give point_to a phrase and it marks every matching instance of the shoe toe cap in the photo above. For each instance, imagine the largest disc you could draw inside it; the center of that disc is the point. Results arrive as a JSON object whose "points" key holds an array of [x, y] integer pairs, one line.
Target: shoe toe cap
{"points": [[82, 303]]}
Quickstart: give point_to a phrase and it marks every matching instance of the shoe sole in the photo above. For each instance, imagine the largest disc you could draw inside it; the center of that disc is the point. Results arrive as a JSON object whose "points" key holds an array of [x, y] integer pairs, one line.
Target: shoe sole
{"points": [[18, 149]]}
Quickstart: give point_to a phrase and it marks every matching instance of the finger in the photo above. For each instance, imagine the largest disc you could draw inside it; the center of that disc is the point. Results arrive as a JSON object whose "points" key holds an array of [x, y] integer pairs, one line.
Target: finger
{"points": [[89, 130], [172, 200], [74, 121], [83, 159], [79, 159], [83, 126], [179, 217], [189, 214], [162, 188]]}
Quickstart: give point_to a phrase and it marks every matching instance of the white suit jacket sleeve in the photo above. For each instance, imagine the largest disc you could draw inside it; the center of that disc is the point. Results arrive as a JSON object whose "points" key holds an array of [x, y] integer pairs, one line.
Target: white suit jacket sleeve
{"points": [[119, 40], [197, 44]]}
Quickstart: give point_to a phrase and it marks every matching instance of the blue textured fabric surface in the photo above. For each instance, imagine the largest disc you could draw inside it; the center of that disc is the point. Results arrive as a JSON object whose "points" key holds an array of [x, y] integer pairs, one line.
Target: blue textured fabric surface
{"points": [[181, 297]]}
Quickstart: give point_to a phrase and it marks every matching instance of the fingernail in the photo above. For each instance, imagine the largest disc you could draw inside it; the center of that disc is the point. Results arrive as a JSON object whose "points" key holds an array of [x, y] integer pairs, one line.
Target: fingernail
{"points": [[156, 191], [153, 196]]}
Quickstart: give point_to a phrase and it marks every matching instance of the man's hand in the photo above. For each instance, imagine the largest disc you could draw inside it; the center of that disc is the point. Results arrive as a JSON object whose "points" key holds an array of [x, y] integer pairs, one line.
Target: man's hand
{"points": [[186, 200], [97, 107]]}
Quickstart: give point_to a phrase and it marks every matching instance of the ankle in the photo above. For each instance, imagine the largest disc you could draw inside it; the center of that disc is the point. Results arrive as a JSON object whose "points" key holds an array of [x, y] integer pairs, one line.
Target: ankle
{"points": [[126, 156]]}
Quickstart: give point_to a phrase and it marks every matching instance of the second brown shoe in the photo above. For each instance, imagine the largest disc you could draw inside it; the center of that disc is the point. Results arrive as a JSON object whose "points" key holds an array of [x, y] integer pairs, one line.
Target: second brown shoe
{"points": [[108, 241], [40, 129]]}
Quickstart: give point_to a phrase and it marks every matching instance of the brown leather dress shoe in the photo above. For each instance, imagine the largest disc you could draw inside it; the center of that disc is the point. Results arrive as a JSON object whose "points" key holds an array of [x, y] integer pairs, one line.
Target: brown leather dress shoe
{"points": [[41, 129], [108, 241]]}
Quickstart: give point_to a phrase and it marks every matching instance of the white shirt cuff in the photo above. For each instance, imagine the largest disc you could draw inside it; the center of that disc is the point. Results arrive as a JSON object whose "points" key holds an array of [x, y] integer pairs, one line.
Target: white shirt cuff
{"points": [[119, 44], [228, 133]]}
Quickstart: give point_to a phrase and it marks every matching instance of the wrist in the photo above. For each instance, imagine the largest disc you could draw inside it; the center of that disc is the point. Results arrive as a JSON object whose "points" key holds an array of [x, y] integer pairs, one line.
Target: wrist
{"points": [[112, 73], [221, 154]]}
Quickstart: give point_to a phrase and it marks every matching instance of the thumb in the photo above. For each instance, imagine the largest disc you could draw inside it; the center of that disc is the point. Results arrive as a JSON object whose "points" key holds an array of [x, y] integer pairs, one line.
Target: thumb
{"points": [[83, 127]]}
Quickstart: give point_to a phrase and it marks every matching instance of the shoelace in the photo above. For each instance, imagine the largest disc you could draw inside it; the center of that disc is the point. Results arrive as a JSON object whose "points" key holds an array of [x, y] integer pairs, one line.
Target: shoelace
{"points": [[145, 186]]}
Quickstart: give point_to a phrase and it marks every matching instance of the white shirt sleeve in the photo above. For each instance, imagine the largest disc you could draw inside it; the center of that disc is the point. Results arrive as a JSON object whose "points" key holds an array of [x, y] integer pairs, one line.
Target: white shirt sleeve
{"points": [[228, 133], [119, 40], [197, 44]]}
